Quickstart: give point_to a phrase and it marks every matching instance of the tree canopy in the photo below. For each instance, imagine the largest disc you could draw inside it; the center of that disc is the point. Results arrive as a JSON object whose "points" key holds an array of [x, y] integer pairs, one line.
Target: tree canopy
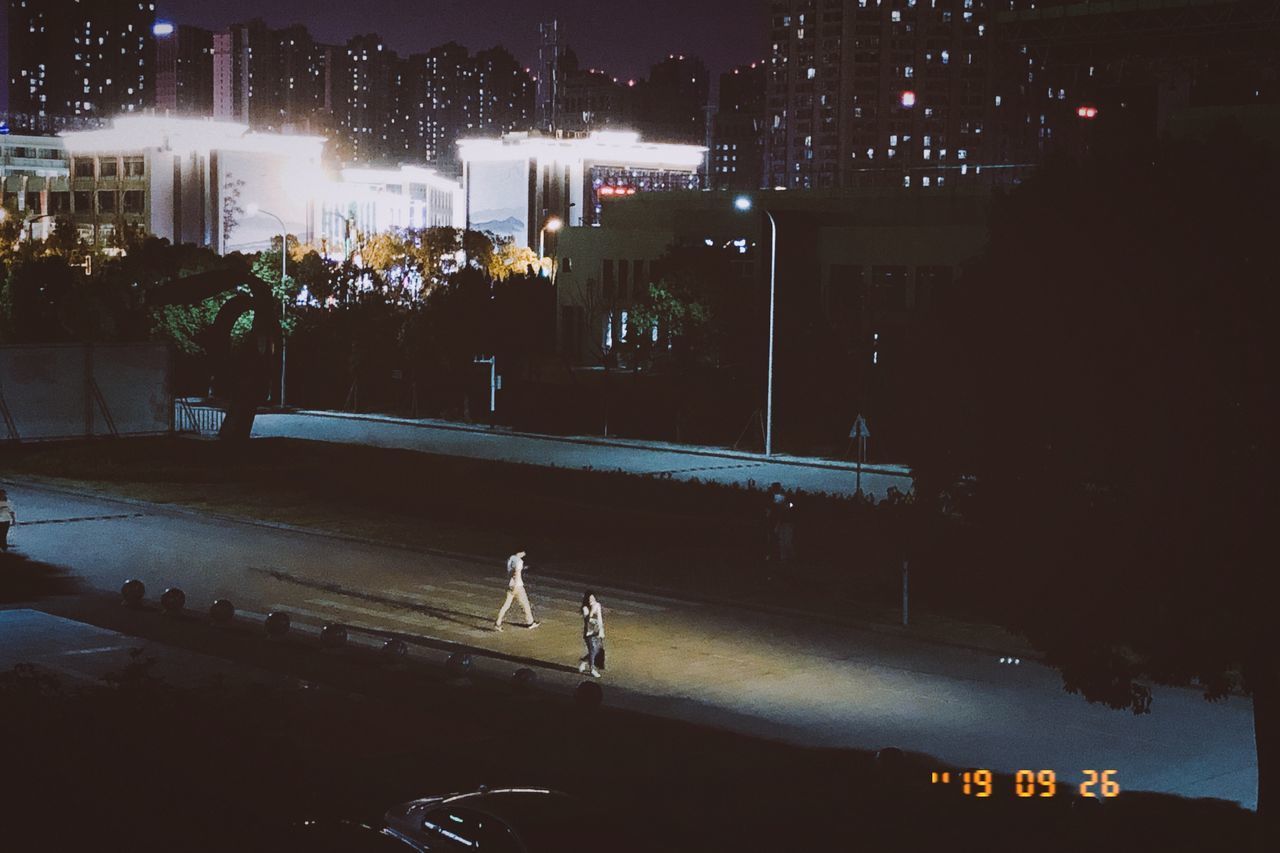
{"points": [[1106, 374]]}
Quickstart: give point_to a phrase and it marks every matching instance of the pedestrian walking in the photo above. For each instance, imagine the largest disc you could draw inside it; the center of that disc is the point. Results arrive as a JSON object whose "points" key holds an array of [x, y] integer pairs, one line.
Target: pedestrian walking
{"points": [[778, 524], [516, 592], [592, 634], [8, 518]]}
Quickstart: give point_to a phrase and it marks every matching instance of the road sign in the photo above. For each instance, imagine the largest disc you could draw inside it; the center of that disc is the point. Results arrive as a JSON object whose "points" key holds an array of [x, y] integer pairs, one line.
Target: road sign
{"points": [[860, 428]]}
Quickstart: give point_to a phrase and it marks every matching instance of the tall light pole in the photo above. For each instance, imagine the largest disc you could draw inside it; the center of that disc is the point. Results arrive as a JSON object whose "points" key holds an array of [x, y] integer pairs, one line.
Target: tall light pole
{"points": [[254, 210], [743, 203], [553, 225]]}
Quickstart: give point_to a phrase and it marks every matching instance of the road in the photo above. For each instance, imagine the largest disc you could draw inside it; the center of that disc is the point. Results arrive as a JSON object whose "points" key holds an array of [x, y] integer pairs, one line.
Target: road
{"points": [[775, 676], [677, 461]]}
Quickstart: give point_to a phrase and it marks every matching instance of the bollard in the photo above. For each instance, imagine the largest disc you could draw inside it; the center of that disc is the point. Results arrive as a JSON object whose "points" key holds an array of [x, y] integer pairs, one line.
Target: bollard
{"points": [[133, 592], [333, 636], [524, 679], [459, 663], [277, 623], [173, 600], [588, 695], [395, 647], [222, 611]]}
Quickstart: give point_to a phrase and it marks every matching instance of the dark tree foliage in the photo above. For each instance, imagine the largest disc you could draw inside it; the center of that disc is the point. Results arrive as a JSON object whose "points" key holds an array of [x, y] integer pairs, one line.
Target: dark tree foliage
{"points": [[1107, 375]]}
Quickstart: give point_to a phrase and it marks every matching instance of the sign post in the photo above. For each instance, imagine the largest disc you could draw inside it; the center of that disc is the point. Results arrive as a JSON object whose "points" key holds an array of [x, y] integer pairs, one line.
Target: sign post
{"points": [[860, 433], [495, 382]]}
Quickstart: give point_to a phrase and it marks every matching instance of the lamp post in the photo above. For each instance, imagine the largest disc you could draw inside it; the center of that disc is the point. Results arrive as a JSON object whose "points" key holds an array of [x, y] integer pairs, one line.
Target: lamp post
{"points": [[553, 225], [743, 203], [254, 210]]}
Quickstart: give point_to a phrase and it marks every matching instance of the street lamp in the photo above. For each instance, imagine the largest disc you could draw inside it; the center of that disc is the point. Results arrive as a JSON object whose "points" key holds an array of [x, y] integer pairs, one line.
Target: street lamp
{"points": [[743, 203], [553, 225], [253, 210]]}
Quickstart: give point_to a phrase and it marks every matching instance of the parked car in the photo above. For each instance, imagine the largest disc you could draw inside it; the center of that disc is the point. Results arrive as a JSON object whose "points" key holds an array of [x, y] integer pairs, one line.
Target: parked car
{"points": [[507, 820], [334, 836]]}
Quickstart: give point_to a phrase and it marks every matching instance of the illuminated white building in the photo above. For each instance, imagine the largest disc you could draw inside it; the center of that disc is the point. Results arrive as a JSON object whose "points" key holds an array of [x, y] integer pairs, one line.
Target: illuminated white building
{"points": [[374, 201], [191, 181], [515, 185], [219, 185]]}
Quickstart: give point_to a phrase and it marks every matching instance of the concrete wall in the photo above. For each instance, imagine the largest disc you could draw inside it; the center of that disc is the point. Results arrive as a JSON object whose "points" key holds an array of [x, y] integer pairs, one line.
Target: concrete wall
{"points": [[76, 391]]}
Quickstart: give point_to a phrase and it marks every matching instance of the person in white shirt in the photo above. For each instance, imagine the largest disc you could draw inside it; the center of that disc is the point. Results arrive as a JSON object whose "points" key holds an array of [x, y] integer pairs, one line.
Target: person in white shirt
{"points": [[7, 519], [515, 591], [592, 634]]}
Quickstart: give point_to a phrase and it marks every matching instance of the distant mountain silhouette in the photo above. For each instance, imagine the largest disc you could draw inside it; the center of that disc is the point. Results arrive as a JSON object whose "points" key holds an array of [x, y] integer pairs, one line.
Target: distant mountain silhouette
{"points": [[510, 225]]}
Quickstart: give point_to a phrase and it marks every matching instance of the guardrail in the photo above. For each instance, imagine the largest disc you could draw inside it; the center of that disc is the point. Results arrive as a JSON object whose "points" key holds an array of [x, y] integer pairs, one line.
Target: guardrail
{"points": [[189, 417]]}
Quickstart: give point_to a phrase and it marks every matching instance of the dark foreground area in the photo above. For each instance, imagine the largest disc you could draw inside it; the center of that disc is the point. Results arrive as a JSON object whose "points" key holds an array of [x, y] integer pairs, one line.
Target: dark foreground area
{"points": [[280, 732]]}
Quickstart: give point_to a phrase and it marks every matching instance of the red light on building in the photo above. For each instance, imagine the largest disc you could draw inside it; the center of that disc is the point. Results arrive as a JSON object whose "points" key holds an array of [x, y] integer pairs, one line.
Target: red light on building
{"points": [[606, 191], [908, 99], [1087, 111]]}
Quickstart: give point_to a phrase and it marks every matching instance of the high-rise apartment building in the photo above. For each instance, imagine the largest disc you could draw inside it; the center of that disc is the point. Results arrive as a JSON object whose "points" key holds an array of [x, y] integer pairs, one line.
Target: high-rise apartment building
{"points": [[69, 58], [737, 139], [184, 70], [881, 92], [364, 100], [273, 79], [591, 99], [675, 100], [450, 93]]}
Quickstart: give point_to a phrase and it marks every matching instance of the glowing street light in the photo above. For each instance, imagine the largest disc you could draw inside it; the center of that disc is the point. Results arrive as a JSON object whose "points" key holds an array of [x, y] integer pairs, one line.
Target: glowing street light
{"points": [[743, 204], [553, 225]]}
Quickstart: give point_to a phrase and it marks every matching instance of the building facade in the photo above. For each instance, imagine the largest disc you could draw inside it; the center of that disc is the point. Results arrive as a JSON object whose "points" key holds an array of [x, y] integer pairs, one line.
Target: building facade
{"points": [[76, 59], [516, 185], [184, 70], [861, 264], [864, 93], [193, 181], [213, 184], [737, 141]]}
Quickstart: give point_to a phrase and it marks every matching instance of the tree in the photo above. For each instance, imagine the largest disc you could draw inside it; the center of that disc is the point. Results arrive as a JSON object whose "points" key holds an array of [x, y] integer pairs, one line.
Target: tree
{"points": [[1117, 349], [232, 210]]}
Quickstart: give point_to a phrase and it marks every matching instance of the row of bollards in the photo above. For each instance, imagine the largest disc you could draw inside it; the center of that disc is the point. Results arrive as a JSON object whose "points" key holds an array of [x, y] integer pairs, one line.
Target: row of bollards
{"points": [[333, 636]]}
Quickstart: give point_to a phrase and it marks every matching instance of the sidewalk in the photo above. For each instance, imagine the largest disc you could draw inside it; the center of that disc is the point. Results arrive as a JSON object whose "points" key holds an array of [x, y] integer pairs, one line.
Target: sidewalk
{"points": [[683, 462], [600, 441]]}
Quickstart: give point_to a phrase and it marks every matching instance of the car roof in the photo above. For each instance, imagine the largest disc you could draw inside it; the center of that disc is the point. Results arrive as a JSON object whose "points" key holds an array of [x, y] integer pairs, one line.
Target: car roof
{"points": [[516, 804]]}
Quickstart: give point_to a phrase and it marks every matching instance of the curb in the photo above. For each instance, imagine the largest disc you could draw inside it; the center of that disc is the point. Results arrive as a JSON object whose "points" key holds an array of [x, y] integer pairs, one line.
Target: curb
{"points": [[567, 577]]}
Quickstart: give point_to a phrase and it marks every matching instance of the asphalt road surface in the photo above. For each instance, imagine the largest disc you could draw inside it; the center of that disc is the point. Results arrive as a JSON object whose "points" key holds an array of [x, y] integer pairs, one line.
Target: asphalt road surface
{"points": [[680, 462], [771, 675]]}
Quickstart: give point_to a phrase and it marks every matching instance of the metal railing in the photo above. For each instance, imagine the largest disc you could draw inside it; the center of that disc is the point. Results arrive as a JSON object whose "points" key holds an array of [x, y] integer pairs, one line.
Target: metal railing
{"points": [[189, 417]]}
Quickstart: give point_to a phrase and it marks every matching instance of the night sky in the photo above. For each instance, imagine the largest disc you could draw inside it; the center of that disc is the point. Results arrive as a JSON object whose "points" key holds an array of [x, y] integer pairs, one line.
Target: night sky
{"points": [[624, 37]]}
